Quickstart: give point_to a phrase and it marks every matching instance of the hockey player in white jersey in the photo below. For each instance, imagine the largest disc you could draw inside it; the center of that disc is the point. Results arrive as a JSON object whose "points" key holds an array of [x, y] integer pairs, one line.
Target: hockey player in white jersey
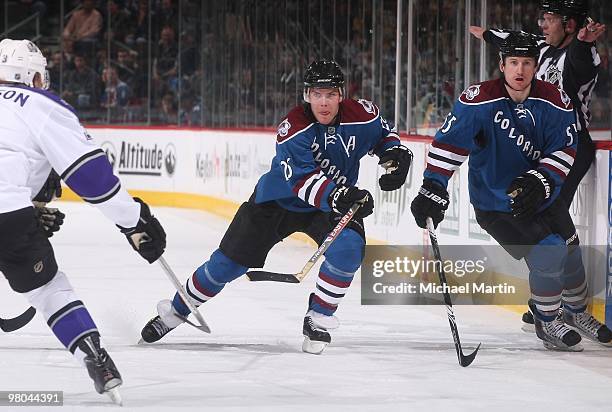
{"points": [[38, 132]]}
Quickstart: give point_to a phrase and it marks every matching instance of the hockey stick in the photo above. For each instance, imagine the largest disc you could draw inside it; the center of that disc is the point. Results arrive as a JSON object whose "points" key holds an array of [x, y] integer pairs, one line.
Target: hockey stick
{"points": [[464, 360], [181, 291], [258, 275], [12, 324]]}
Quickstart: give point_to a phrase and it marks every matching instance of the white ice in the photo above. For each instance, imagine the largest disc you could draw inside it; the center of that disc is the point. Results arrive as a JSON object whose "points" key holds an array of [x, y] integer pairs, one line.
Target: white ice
{"points": [[381, 358]]}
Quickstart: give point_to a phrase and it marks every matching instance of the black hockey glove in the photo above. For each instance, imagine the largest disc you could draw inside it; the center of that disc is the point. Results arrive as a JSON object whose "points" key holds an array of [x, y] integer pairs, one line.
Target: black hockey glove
{"points": [[342, 198], [148, 237], [397, 161], [432, 201], [49, 219], [52, 189], [529, 191]]}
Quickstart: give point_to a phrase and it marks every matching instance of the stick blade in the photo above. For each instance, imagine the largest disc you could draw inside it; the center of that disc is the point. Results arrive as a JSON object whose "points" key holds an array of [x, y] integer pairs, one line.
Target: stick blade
{"points": [[466, 360], [262, 275], [10, 325]]}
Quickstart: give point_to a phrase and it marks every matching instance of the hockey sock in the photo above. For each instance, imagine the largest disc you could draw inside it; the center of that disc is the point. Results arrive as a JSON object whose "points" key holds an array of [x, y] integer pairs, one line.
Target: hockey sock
{"points": [[546, 261], [208, 280], [576, 287], [65, 314], [342, 260]]}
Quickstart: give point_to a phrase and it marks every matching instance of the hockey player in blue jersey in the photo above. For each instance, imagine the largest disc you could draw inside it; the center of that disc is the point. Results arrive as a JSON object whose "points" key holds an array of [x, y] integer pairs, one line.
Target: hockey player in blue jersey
{"points": [[569, 60], [310, 185], [520, 137]]}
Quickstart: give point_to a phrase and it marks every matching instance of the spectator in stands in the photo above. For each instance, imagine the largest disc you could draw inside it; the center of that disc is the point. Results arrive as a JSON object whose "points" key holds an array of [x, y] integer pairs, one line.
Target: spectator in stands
{"points": [[116, 92], [121, 22], [165, 15], [165, 65], [168, 113], [81, 85], [83, 29], [56, 70]]}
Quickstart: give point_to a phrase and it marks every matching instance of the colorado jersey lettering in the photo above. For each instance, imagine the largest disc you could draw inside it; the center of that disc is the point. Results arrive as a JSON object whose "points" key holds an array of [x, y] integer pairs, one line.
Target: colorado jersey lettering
{"points": [[311, 158], [504, 139]]}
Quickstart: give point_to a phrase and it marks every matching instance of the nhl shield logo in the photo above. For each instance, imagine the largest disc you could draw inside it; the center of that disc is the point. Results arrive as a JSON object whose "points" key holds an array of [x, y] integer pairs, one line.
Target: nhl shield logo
{"points": [[283, 128], [553, 75], [472, 91]]}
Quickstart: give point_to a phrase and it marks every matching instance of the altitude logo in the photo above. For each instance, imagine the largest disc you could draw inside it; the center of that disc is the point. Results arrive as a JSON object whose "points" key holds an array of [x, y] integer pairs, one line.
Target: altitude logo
{"points": [[140, 160]]}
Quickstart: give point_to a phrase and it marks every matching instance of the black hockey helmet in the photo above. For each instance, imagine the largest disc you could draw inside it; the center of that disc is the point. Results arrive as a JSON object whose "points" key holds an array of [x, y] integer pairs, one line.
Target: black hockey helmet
{"points": [[520, 44], [323, 74], [576, 9]]}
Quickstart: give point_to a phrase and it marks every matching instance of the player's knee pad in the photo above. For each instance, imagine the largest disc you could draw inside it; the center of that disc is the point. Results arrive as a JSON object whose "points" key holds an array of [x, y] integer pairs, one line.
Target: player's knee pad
{"points": [[54, 295], [220, 269], [346, 252], [548, 257]]}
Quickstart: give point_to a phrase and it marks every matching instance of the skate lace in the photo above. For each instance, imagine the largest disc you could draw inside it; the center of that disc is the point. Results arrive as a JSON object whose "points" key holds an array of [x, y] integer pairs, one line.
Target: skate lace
{"points": [[160, 327], [588, 322], [313, 326], [556, 328]]}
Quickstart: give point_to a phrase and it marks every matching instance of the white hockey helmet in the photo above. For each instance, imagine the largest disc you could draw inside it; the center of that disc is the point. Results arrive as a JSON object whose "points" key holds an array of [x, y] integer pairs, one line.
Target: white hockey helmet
{"points": [[20, 60]]}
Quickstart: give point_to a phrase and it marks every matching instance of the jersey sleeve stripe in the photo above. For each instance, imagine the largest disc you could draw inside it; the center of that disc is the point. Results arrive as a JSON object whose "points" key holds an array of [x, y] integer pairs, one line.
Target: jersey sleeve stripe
{"points": [[304, 191], [570, 151], [555, 167], [439, 170], [93, 179], [442, 164], [320, 192], [105, 196], [559, 159], [433, 155], [314, 191], [450, 148], [80, 161]]}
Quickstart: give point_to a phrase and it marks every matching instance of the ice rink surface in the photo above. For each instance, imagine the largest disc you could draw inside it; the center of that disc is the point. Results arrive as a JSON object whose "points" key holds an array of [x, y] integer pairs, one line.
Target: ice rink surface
{"points": [[382, 357]]}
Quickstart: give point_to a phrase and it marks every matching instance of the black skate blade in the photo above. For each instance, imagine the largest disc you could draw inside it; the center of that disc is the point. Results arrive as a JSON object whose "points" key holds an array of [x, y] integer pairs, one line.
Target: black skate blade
{"points": [[466, 360], [10, 325], [262, 275]]}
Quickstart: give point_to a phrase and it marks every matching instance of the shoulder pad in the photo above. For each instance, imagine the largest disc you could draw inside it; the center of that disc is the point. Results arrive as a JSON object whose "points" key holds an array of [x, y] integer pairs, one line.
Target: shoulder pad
{"points": [[557, 97], [295, 122], [483, 92], [358, 111]]}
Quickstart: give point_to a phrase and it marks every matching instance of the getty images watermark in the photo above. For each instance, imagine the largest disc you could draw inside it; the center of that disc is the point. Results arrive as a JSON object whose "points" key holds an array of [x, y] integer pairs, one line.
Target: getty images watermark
{"points": [[488, 275], [475, 274], [404, 266]]}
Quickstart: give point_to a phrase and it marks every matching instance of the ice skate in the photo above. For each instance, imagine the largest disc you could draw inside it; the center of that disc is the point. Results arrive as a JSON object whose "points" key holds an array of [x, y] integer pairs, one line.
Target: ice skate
{"points": [[528, 324], [158, 327], [101, 368], [315, 330], [555, 334], [589, 327]]}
